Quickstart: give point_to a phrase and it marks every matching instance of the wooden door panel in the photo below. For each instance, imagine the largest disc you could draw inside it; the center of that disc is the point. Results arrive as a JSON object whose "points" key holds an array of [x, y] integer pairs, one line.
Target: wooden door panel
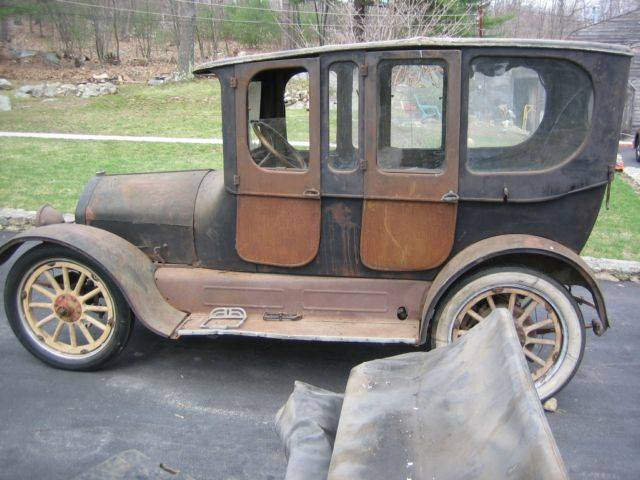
{"points": [[406, 236], [278, 231]]}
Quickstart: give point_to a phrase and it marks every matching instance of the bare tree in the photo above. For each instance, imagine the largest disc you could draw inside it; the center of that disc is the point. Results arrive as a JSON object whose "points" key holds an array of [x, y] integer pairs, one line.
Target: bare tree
{"points": [[186, 33]]}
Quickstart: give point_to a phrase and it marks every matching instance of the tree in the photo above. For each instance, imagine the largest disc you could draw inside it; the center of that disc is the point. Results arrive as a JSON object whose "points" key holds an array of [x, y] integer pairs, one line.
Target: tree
{"points": [[186, 38]]}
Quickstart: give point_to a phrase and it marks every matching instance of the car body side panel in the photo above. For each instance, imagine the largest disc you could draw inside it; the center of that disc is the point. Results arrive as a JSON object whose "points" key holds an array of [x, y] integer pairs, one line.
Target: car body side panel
{"points": [[131, 270], [483, 251]]}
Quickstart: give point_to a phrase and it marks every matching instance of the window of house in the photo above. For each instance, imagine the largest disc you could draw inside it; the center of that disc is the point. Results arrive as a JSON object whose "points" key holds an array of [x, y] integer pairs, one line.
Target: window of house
{"points": [[278, 119], [343, 108], [526, 114], [411, 122]]}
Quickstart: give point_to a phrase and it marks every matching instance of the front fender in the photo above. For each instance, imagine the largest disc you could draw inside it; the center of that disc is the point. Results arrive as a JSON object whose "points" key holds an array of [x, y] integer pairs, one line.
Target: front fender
{"points": [[129, 268], [490, 251]]}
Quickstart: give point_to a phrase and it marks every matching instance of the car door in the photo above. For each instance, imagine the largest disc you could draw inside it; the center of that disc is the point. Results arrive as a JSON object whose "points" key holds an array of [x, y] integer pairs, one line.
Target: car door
{"points": [[412, 146], [278, 201]]}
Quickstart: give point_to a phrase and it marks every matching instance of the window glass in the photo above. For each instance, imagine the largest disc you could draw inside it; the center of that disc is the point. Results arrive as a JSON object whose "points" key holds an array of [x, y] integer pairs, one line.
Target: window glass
{"points": [[343, 115], [411, 123], [278, 117], [526, 114]]}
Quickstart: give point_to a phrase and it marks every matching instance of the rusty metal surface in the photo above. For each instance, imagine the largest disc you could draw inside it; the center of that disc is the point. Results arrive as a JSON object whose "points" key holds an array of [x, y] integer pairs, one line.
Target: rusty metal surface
{"points": [[277, 231], [321, 298], [465, 411], [153, 211], [126, 265], [262, 181], [503, 245], [47, 215], [406, 184], [405, 236], [423, 42]]}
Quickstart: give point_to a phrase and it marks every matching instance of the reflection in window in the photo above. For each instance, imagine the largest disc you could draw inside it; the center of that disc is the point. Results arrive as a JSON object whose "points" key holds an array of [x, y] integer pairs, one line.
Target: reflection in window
{"points": [[411, 132], [343, 115], [278, 117], [526, 114]]}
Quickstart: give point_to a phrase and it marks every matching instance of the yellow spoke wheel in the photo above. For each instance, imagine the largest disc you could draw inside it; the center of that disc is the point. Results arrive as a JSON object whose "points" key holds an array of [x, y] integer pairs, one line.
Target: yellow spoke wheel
{"points": [[67, 308]]}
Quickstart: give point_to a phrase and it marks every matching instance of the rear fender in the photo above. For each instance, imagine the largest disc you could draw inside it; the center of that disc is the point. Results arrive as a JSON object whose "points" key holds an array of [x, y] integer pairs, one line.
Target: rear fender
{"points": [[129, 268], [536, 252]]}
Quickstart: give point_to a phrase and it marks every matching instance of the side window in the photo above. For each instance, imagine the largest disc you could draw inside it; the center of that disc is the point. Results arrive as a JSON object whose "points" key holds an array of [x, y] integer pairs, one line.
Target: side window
{"points": [[343, 118], [278, 117], [526, 114], [411, 122]]}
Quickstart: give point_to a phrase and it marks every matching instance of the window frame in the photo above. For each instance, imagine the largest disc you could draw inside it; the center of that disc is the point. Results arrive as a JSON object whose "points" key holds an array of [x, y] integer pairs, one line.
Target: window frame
{"points": [[252, 179]]}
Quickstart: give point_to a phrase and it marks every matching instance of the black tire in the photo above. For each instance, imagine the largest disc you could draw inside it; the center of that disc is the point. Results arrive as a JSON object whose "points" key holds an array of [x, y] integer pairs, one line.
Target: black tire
{"points": [[119, 327], [636, 148], [500, 279]]}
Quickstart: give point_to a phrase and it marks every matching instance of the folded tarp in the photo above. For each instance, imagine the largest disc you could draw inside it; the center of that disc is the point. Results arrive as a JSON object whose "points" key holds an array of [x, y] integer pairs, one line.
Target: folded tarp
{"points": [[465, 411]]}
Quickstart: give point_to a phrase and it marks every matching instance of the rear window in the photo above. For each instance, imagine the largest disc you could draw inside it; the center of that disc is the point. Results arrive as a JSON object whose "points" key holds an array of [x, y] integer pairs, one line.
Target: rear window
{"points": [[526, 114]]}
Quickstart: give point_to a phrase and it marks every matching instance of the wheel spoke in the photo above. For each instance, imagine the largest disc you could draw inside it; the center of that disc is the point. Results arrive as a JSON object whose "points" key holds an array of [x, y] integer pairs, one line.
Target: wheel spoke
{"points": [[58, 330], [65, 279], [532, 356], [527, 311], [90, 295], [45, 320], [96, 308], [475, 315], [43, 291], [537, 326], [52, 281], [512, 302], [94, 322], [85, 331], [79, 283], [492, 304], [41, 305], [72, 335], [541, 341]]}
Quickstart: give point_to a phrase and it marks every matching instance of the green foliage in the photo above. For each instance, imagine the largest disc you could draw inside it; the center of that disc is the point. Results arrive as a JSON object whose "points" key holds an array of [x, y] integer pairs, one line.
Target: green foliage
{"points": [[262, 27]]}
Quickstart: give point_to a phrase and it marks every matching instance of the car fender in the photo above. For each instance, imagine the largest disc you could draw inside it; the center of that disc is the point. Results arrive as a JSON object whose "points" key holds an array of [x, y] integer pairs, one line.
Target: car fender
{"points": [[130, 269], [507, 249]]}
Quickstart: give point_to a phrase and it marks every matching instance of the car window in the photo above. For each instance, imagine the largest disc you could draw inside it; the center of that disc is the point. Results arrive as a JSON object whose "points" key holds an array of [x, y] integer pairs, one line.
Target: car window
{"points": [[526, 114], [411, 121], [278, 119], [343, 116]]}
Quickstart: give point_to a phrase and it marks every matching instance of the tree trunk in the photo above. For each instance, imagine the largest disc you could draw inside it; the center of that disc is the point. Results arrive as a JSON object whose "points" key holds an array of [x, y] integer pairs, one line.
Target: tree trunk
{"points": [[4, 25], [186, 33], [358, 27]]}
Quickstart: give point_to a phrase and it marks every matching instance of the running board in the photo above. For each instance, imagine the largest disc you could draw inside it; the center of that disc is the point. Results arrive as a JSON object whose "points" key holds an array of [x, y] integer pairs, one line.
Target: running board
{"points": [[311, 330], [294, 306]]}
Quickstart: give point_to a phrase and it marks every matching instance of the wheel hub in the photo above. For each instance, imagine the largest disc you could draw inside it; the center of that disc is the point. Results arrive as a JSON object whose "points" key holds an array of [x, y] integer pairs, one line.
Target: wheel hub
{"points": [[68, 308]]}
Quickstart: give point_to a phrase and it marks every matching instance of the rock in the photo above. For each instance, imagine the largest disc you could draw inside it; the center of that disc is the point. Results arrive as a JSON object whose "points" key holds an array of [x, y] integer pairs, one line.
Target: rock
{"points": [[67, 89], [51, 90], [100, 77], [5, 84], [21, 53], [158, 80], [87, 90], [51, 58], [5, 103], [551, 405]]}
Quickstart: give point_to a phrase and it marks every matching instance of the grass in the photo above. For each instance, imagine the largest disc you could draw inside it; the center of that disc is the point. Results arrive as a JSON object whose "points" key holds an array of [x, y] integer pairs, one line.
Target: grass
{"points": [[617, 231], [35, 171]]}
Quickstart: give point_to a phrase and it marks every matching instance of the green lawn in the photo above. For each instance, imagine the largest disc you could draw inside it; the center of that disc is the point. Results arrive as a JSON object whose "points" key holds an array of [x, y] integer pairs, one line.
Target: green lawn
{"points": [[617, 231], [34, 171]]}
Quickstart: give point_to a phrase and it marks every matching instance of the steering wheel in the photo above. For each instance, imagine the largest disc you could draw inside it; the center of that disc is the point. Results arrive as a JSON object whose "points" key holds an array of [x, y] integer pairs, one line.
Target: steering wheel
{"points": [[293, 160]]}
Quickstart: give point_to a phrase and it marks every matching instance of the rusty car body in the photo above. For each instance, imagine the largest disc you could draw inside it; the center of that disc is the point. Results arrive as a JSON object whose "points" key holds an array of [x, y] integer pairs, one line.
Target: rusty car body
{"points": [[367, 208]]}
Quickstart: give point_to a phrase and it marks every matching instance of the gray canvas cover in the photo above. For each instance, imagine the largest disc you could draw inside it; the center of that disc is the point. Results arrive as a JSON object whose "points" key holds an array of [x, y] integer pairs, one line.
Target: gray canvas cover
{"points": [[465, 411]]}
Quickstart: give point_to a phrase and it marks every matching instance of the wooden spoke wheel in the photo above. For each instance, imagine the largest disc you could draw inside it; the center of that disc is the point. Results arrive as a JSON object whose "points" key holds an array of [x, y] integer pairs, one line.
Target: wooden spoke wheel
{"points": [[67, 307], [537, 324], [547, 318]]}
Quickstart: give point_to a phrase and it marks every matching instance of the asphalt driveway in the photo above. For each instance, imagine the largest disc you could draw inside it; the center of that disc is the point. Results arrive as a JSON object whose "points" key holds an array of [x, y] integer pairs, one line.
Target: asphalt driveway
{"points": [[206, 406]]}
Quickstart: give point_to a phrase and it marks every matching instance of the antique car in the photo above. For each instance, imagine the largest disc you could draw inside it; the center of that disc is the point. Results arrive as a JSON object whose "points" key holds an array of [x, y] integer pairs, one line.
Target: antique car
{"points": [[390, 192]]}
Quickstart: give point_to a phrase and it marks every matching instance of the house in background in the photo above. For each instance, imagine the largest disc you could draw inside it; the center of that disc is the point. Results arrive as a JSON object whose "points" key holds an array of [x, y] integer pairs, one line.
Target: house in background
{"points": [[625, 30]]}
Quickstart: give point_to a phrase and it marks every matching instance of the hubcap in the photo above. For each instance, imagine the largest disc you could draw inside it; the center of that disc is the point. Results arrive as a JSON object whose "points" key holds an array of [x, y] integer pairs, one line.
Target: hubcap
{"points": [[537, 324], [67, 308]]}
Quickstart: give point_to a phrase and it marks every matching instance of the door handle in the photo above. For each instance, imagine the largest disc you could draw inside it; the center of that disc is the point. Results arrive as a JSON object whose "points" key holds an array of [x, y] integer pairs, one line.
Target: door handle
{"points": [[450, 197], [311, 192]]}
